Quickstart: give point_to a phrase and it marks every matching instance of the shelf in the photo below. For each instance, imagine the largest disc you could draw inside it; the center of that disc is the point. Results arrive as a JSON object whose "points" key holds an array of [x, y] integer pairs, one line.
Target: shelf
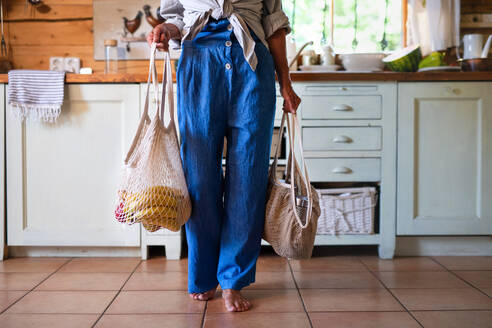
{"points": [[343, 240]]}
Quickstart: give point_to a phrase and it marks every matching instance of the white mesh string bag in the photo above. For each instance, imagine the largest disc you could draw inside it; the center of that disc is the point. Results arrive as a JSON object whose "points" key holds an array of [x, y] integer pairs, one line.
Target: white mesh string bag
{"points": [[153, 189]]}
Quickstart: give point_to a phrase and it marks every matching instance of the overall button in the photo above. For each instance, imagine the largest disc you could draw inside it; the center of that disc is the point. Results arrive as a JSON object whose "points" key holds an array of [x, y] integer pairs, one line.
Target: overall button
{"points": [[229, 27], [228, 66], [228, 43]]}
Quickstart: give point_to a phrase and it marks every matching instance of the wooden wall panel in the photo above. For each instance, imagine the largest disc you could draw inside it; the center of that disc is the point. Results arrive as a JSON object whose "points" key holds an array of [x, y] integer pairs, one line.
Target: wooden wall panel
{"points": [[66, 30]]}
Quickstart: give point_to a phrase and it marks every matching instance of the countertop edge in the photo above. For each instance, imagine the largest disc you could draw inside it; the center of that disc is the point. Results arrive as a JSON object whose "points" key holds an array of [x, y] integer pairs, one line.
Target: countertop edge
{"points": [[301, 77]]}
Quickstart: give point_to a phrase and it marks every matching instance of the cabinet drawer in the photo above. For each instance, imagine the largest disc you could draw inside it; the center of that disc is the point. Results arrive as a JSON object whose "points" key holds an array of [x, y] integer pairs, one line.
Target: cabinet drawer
{"points": [[344, 169], [341, 138], [341, 107]]}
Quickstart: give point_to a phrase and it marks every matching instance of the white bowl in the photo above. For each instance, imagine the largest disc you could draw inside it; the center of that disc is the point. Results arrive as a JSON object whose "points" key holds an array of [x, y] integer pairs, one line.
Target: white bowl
{"points": [[363, 62]]}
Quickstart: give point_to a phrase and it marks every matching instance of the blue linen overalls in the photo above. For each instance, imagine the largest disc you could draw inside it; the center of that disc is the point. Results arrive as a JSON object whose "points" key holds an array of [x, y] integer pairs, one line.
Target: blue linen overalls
{"points": [[220, 95]]}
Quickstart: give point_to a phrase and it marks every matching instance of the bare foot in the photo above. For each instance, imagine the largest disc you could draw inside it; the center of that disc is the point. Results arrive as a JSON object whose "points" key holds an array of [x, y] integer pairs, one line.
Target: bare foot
{"points": [[204, 296], [234, 301]]}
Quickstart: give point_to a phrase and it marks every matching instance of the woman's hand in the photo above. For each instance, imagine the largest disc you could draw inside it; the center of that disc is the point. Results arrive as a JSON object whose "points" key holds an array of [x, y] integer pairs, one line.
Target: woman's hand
{"points": [[291, 99], [161, 34]]}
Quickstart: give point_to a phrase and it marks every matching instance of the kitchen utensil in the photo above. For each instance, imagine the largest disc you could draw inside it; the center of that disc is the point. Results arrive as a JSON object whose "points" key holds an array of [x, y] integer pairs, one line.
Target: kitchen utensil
{"points": [[320, 68], [486, 48], [299, 53], [476, 64], [472, 46], [440, 69], [363, 62]]}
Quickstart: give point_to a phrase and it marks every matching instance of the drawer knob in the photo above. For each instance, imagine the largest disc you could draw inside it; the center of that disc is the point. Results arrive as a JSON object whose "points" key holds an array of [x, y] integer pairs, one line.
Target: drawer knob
{"points": [[342, 108], [342, 139], [341, 170]]}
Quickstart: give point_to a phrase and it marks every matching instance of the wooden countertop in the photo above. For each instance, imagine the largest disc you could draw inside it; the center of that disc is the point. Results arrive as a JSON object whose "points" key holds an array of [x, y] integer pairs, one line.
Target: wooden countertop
{"points": [[301, 77]]}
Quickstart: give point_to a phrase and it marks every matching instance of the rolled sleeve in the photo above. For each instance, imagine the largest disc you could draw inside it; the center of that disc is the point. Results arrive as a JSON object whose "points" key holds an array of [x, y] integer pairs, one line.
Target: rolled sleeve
{"points": [[173, 12], [274, 18]]}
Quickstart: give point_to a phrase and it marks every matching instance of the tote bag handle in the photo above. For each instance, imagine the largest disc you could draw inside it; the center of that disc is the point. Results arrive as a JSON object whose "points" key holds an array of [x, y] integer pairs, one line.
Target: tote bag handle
{"points": [[293, 164], [145, 119]]}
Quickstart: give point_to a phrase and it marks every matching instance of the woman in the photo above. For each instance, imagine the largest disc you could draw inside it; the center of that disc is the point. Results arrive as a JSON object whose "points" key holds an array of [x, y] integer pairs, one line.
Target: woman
{"points": [[226, 88]]}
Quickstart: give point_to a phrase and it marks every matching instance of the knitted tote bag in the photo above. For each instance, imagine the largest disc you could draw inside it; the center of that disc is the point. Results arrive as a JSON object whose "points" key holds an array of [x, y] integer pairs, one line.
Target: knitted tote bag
{"points": [[292, 208]]}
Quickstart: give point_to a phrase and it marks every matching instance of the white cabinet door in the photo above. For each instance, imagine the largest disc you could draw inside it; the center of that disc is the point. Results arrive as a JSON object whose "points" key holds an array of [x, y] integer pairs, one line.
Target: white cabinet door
{"points": [[444, 159], [63, 178], [2, 170]]}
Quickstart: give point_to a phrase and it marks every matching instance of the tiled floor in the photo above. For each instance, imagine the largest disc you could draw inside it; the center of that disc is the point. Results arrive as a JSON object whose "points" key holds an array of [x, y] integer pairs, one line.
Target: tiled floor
{"points": [[329, 291]]}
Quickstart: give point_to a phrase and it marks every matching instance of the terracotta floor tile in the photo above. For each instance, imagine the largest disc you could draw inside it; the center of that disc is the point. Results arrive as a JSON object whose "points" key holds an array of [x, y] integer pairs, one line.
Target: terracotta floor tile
{"points": [[454, 319], [421, 279], [317, 279], [101, 264], [63, 302], [329, 263], [21, 280], [139, 302], [256, 320], [273, 280], [362, 320], [161, 264], [324, 300], [443, 299], [477, 278], [9, 297], [272, 263], [150, 321], [84, 281], [157, 281], [487, 291], [374, 263], [38, 320], [32, 264], [465, 262], [274, 300]]}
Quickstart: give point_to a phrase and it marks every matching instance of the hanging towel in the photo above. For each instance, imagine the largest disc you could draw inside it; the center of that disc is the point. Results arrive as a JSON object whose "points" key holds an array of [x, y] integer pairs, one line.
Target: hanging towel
{"points": [[36, 95]]}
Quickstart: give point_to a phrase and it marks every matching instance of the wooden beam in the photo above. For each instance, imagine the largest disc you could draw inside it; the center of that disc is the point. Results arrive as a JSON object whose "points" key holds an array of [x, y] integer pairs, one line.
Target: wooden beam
{"points": [[404, 20]]}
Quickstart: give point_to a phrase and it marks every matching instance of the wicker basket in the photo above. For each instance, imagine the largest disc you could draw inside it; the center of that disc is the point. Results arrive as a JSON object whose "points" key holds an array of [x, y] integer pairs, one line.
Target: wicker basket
{"points": [[347, 211]]}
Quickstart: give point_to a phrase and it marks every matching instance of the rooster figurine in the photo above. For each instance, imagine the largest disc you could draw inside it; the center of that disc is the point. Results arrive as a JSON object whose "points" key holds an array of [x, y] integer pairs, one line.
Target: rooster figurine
{"points": [[150, 19], [131, 25]]}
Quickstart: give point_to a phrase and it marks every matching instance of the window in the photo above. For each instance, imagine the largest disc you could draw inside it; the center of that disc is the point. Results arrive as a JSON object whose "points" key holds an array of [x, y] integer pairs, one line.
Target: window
{"points": [[358, 25]]}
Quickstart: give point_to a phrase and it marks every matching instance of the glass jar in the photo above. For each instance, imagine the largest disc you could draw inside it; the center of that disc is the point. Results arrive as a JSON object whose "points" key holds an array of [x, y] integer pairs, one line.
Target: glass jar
{"points": [[111, 56]]}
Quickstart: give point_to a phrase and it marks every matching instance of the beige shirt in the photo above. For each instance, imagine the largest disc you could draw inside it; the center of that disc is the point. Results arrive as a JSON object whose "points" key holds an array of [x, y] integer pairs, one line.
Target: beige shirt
{"points": [[264, 17]]}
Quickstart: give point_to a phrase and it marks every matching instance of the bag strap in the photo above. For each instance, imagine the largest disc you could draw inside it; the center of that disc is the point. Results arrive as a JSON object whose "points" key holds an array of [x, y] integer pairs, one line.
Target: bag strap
{"points": [[293, 164], [152, 78], [167, 89], [277, 147]]}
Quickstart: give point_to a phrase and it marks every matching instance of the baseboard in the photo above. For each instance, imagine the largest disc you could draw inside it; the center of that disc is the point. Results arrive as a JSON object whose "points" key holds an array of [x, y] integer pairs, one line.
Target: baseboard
{"points": [[66, 251], [443, 245]]}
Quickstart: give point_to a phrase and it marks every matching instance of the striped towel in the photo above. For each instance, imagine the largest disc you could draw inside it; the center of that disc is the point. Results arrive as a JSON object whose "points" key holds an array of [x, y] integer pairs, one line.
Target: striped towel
{"points": [[36, 95]]}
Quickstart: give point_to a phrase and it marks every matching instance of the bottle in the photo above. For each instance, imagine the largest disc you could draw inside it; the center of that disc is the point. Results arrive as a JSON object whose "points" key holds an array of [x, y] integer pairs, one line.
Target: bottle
{"points": [[111, 56], [291, 51], [328, 56]]}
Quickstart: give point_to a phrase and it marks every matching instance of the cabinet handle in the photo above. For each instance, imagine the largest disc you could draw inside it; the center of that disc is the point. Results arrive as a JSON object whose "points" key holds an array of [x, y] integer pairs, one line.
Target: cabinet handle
{"points": [[342, 170], [342, 139], [342, 108], [455, 91]]}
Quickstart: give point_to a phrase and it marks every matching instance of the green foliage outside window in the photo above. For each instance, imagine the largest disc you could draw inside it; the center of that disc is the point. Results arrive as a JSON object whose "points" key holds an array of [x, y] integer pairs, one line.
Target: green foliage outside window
{"points": [[309, 16]]}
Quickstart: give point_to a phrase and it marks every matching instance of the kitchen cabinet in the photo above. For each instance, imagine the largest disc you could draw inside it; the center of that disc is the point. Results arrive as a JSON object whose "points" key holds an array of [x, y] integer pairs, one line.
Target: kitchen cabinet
{"points": [[349, 137], [63, 177], [3, 107], [444, 158]]}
